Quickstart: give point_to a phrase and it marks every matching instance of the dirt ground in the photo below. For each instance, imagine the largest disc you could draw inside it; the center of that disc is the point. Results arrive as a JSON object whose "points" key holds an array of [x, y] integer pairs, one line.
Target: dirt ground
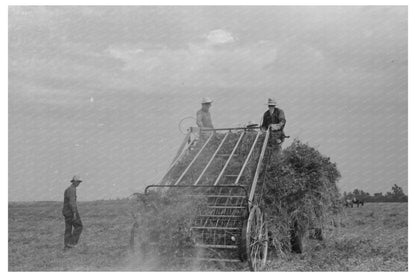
{"points": [[369, 238]]}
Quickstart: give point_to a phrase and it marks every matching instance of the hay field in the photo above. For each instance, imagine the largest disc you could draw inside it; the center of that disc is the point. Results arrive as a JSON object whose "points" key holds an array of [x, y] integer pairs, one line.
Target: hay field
{"points": [[370, 238]]}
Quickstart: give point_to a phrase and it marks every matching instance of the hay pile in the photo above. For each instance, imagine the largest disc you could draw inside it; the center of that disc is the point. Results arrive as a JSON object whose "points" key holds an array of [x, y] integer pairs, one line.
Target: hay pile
{"points": [[299, 194], [162, 229]]}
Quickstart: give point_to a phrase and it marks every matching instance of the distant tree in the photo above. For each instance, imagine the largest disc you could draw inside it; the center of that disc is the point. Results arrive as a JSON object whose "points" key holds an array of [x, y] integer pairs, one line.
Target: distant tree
{"points": [[358, 194], [397, 191], [395, 195], [398, 194]]}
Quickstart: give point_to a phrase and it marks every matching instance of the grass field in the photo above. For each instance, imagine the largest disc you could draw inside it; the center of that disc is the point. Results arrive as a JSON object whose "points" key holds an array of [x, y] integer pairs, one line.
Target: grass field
{"points": [[369, 238]]}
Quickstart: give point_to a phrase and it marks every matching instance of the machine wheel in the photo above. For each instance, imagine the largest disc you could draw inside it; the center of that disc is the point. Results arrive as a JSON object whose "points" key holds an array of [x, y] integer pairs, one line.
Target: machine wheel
{"points": [[256, 240]]}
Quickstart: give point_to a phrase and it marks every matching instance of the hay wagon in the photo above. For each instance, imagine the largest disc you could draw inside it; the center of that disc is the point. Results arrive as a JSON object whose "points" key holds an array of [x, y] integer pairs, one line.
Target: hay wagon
{"points": [[225, 167]]}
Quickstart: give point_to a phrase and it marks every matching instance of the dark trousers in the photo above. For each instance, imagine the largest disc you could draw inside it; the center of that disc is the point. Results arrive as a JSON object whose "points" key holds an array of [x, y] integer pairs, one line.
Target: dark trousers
{"points": [[73, 229]]}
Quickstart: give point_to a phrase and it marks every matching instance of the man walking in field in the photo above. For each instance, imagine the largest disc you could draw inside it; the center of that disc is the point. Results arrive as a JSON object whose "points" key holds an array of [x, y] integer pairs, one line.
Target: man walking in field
{"points": [[203, 117], [73, 224]]}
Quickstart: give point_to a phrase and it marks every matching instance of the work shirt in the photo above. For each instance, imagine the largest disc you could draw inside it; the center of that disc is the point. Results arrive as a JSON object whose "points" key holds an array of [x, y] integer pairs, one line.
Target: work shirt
{"points": [[203, 119], [70, 201], [278, 117]]}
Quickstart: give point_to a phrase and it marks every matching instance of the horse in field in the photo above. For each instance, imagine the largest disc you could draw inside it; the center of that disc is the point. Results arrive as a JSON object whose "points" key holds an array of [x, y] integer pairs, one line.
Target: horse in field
{"points": [[358, 202], [349, 203]]}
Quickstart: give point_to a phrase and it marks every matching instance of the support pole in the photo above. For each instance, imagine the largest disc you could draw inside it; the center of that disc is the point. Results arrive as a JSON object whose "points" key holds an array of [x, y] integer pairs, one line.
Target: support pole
{"points": [[259, 163]]}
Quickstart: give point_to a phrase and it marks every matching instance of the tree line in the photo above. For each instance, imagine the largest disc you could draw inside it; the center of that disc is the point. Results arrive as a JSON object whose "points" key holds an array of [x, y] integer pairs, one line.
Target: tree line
{"points": [[395, 195]]}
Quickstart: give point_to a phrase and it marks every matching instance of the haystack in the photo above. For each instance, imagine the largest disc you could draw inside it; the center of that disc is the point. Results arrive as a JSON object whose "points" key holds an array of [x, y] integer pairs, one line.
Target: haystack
{"points": [[300, 195]]}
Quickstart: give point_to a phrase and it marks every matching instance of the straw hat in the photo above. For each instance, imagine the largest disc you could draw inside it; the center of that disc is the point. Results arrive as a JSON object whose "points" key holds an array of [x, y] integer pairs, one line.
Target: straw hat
{"points": [[271, 102], [251, 124], [206, 100], [76, 179]]}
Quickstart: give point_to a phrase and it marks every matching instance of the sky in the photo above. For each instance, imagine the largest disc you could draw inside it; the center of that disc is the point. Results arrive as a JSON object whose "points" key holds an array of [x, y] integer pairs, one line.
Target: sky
{"points": [[99, 91]]}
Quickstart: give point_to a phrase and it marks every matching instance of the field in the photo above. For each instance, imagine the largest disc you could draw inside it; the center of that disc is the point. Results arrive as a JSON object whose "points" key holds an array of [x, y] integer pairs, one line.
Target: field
{"points": [[369, 238]]}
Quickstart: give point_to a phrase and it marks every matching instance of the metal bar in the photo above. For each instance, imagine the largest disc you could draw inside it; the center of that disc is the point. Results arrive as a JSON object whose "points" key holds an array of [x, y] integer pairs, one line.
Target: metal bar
{"points": [[228, 222], [226, 207], [212, 158], [214, 237], [206, 222], [230, 129], [229, 199], [218, 196], [194, 159], [197, 186], [256, 175], [216, 201], [216, 228], [225, 240], [216, 246], [248, 157], [229, 159], [214, 260], [222, 216]]}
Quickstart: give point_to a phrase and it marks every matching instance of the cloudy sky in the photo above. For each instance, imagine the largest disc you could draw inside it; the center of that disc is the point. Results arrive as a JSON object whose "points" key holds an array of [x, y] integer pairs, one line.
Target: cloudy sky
{"points": [[99, 91]]}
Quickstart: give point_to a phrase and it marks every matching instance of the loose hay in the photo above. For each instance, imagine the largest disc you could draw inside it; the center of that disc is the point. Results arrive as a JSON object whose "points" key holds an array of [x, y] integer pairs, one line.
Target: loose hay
{"points": [[299, 193]]}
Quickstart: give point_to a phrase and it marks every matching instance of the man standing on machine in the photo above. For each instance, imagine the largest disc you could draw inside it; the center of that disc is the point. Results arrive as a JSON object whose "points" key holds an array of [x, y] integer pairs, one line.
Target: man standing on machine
{"points": [[274, 118]]}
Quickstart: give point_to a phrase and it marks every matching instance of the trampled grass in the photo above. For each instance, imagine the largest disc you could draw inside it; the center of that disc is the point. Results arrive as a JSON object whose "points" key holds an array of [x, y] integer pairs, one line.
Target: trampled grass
{"points": [[369, 238]]}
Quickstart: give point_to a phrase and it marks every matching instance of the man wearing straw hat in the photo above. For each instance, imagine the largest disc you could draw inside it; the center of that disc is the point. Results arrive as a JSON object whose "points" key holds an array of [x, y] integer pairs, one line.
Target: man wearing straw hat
{"points": [[275, 119], [73, 224], [203, 117]]}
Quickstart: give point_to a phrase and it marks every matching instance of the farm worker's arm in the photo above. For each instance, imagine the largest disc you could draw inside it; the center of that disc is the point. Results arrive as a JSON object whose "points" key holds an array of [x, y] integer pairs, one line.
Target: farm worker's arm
{"points": [[199, 119], [209, 121], [282, 120], [264, 123]]}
